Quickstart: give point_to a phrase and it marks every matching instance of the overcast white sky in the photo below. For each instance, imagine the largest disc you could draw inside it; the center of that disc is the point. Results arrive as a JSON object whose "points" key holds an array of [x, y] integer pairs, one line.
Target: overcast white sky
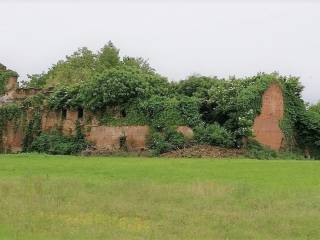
{"points": [[219, 38]]}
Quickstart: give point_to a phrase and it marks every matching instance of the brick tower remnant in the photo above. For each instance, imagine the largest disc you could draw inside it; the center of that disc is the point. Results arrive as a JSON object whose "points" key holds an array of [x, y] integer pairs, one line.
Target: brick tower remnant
{"points": [[266, 126]]}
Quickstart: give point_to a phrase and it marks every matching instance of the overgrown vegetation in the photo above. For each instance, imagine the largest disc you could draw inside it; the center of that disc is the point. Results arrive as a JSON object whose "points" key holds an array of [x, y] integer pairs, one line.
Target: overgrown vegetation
{"points": [[127, 91], [213, 134], [4, 77], [308, 134], [166, 140], [57, 144], [9, 114]]}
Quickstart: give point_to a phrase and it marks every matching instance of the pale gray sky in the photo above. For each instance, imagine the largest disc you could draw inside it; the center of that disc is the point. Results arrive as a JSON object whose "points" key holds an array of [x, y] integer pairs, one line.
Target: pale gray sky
{"points": [[178, 37]]}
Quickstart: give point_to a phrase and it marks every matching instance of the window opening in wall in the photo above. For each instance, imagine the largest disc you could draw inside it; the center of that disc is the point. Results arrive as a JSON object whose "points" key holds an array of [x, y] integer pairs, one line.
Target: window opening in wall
{"points": [[123, 113], [64, 114], [80, 113], [123, 142]]}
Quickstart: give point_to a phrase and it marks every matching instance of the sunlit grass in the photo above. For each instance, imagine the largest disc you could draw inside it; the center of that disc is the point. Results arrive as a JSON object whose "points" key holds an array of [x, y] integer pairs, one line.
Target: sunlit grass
{"points": [[54, 197]]}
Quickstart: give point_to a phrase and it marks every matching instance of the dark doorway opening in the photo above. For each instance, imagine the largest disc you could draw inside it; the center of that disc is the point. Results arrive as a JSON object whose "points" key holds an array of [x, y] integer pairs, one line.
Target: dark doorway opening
{"points": [[123, 143]]}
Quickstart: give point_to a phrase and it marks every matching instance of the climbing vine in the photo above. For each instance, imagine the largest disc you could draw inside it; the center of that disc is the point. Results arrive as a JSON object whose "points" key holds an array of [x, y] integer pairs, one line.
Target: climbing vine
{"points": [[8, 113], [4, 76], [308, 134]]}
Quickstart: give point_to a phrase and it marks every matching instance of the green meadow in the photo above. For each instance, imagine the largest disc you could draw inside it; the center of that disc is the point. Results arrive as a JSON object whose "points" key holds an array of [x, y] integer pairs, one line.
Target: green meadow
{"points": [[67, 197]]}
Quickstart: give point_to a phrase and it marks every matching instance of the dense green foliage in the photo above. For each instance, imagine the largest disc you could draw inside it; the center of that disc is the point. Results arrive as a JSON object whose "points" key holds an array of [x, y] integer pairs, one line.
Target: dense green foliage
{"points": [[4, 76], [213, 134], [9, 113], [34, 139], [32, 130], [309, 130], [166, 140], [127, 91], [82, 65], [235, 103], [256, 150], [120, 85], [315, 107], [56, 143], [35, 81], [164, 112]]}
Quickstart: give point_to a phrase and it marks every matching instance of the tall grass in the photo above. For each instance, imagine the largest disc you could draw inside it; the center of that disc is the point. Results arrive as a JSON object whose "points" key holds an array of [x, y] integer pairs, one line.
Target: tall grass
{"points": [[45, 197]]}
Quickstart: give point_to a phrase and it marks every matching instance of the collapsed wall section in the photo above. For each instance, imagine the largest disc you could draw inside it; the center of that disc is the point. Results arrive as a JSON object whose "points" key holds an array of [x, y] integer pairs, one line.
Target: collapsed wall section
{"points": [[103, 138]]}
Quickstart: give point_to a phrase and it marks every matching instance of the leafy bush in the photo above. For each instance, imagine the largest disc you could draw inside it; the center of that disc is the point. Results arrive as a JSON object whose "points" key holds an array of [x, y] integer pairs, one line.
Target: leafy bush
{"points": [[257, 151], [34, 101], [158, 143], [35, 81], [197, 86], [11, 112], [32, 130], [315, 108], [127, 114], [56, 143], [4, 76], [120, 85], [65, 97], [168, 140], [213, 134], [163, 112], [308, 127], [176, 139]]}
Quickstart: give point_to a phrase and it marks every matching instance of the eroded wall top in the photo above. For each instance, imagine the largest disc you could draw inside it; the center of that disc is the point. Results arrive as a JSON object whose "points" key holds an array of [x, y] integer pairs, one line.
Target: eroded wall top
{"points": [[266, 126]]}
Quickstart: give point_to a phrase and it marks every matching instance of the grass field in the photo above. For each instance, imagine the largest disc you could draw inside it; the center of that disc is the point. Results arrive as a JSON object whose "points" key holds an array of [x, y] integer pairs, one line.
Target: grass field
{"points": [[54, 197]]}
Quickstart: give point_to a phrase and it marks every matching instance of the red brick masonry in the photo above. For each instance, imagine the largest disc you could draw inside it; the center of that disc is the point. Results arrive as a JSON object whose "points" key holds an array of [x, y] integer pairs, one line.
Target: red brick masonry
{"points": [[266, 126]]}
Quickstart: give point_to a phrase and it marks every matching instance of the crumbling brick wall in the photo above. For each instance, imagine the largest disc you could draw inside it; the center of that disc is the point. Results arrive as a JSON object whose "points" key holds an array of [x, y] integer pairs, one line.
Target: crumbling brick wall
{"points": [[12, 139], [266, 126], [108, 138]]}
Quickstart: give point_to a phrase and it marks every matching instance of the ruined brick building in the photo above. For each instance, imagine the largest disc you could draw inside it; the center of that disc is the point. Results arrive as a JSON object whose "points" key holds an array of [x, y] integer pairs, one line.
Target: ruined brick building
{"points": [[266, 126]]}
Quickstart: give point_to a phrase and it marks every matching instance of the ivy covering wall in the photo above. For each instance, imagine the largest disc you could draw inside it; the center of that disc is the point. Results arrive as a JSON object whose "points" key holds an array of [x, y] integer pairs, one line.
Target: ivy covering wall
{"points": [[4, 77], [127, 91]]}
